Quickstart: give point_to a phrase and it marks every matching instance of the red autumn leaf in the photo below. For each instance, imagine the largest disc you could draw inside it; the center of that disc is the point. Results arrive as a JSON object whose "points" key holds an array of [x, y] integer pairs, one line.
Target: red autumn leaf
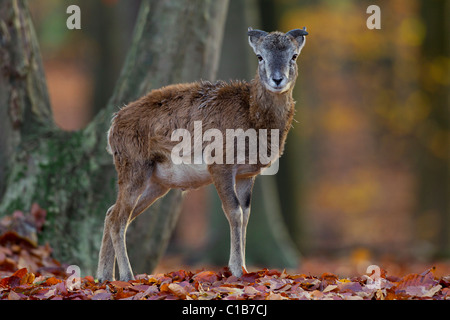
{"points": [[164, 287], [11, 282], [416, 280], [328, 279], [20, 273], [120, 284], [206, 276], [250, 277], [51, 281], [124, 295], [273, 272], [179, 275]]}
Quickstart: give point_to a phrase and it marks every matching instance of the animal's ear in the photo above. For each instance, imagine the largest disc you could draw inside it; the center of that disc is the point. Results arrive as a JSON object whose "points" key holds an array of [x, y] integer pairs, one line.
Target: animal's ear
{"points": [[299, 36], [254, 36]]}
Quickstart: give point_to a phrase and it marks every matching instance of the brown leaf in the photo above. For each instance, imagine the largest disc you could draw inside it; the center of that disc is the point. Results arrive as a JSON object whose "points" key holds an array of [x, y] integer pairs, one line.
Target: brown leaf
{"points": [[51, 281], [275, 296], [206, 276], [415, 280], [28, 278], [179, 275], [250, 277], [164, 287], [120, 284], [20, 273], [11, 282], [317, 295], [250, 290], [177, 290], [445, 281], [327, 279], [14, 296], [351, 287], [124, 295], [101, 294]]}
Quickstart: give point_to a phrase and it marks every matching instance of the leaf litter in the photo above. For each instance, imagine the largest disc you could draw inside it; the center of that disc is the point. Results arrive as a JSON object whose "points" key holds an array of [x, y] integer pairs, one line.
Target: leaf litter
{"points": [[28, 272]]}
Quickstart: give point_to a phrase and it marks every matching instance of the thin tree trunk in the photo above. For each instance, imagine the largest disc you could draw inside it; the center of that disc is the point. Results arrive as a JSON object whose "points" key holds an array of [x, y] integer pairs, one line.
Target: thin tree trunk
{"points": [[432, 150], [71, 174]]}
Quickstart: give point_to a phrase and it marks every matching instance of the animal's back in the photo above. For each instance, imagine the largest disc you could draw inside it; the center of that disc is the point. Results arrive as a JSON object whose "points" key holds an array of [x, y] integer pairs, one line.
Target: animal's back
{"points": [[143, 128]]}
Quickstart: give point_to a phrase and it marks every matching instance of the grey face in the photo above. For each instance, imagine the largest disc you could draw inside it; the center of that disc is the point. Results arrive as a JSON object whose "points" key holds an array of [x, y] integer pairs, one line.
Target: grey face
{"points": [[277, 54]]}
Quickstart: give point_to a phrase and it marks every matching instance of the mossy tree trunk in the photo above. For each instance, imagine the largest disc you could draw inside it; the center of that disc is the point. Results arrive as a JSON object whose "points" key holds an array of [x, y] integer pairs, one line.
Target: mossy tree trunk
{"points": [[71, 174]]}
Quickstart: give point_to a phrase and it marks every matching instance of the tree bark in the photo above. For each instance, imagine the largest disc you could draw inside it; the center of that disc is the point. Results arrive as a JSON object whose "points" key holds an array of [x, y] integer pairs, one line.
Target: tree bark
{"points": [[23, 90], [71, 174], [432, 150]]}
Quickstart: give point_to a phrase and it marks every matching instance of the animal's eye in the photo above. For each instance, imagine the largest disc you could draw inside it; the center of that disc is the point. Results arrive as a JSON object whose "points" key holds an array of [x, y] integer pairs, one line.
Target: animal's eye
{"points": [[294, 57], [259, 58]]}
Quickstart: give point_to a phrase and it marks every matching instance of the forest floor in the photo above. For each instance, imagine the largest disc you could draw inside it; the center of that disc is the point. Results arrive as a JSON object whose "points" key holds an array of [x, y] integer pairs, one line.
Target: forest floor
{"points": [[28, 272]]}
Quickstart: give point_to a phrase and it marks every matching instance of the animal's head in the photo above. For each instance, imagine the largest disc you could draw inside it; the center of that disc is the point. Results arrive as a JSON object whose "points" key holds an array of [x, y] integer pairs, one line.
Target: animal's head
{"points": [[277, 53]]}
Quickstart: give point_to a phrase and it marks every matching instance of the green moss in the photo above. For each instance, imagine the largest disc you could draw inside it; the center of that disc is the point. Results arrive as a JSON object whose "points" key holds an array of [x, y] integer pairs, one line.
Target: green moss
{"points": [[64, 176]]}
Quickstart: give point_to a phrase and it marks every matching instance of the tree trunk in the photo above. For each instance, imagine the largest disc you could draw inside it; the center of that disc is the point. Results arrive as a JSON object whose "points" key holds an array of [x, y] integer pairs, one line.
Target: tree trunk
{"points": [[23, 90], [432, 148], [71, 174]]}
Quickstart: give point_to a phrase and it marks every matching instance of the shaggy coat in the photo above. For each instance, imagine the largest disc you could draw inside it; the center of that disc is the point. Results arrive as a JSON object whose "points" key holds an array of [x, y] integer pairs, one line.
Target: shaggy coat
{"points": [[141, 142]]}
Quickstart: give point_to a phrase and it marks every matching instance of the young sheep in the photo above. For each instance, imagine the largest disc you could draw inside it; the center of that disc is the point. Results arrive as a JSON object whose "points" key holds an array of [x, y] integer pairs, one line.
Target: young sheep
{"points": [[140, 140]]}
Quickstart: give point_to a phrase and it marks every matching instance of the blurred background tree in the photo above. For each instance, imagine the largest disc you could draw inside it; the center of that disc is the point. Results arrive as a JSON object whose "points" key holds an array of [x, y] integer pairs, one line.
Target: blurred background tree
{"points": [[366, 167]]}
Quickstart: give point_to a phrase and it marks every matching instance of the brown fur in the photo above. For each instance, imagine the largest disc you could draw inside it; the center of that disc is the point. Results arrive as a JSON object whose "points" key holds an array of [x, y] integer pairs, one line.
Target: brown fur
{"points": [[140, 142]]}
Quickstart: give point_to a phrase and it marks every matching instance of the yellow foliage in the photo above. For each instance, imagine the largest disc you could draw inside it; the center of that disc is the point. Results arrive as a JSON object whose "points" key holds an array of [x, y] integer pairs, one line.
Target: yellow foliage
{"points": [[354, 196], [339, 118], [412, 31]]}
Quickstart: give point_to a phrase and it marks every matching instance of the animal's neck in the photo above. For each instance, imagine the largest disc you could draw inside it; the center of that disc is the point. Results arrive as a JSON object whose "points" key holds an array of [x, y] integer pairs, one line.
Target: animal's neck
{"points": [[269, 110]]}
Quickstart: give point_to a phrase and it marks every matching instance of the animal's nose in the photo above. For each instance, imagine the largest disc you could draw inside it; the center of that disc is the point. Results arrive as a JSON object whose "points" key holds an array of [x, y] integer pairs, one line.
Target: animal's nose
{"points": [[277, 81]]}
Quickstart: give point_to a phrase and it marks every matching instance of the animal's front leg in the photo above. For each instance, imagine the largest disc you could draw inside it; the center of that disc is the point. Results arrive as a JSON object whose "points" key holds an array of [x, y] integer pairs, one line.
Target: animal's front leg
{"points": [[244, 189], [224, 182]]}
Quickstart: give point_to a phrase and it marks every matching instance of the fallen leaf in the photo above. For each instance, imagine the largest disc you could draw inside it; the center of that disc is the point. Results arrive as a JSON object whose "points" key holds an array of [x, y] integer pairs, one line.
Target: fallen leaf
{"points": [[329, 288], [14, 296], [206, 276], [120, 284], [20, 273], [51, 281], [250, 290], [101, 294], [177, 290], [275, 296], [431, 292]]}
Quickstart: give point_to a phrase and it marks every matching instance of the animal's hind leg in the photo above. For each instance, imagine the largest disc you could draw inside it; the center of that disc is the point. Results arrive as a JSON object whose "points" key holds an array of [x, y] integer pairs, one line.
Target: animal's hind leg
{"points": [[131, 187], [134, 197], [152, 192], [118, 223], [106, 260]]}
